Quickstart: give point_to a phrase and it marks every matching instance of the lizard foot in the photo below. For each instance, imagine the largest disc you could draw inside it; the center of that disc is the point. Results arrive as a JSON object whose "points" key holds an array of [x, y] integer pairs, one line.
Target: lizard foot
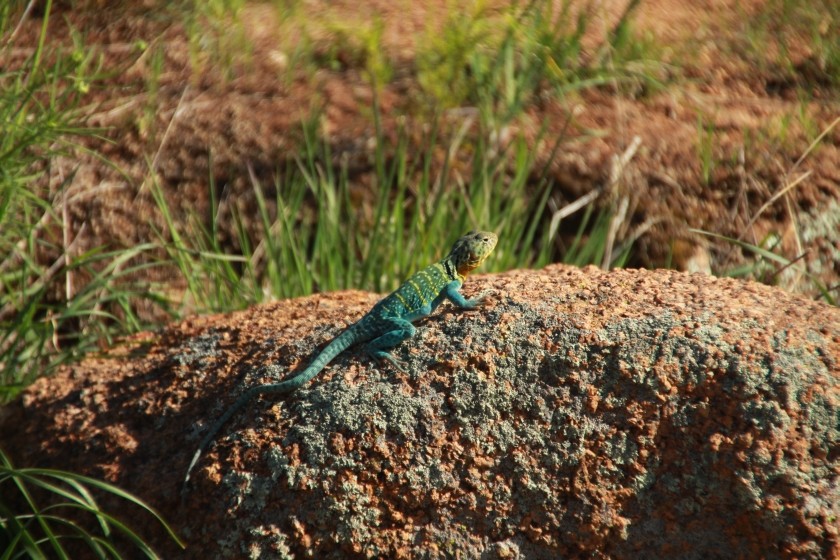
{"points": [[382, 355], [480, 299]]}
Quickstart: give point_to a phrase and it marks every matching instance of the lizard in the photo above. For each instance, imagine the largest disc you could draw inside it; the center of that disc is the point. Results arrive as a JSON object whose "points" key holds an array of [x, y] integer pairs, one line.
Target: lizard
{"points": [[387, 324]]}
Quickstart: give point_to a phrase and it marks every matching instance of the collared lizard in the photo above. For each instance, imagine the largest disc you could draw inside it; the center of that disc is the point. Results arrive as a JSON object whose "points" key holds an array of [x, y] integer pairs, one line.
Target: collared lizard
{"points": [[387, 324]]}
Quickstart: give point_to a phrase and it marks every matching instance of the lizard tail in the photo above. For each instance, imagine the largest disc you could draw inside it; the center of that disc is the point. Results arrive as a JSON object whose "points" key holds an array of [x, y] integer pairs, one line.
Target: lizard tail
{"points": [[334, 348], [208, 438]]}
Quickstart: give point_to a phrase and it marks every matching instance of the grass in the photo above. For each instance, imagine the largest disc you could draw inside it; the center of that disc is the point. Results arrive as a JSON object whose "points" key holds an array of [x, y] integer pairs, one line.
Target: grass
{"points": [[147, 121], [774, 39], [503, 61], [796, 48], [769, 264], [40, 329], [51, 507], [216, 35], [355, 44], [706, 146], [56, 301], [497, 62], [59, 301], [314, 235]]}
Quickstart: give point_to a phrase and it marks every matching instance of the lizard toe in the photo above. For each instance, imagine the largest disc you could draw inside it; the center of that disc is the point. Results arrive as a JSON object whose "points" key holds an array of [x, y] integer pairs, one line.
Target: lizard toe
{"points": [[398, 364]]}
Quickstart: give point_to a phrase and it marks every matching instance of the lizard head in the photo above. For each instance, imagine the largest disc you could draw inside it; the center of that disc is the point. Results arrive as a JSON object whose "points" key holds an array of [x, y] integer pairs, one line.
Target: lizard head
{"points": [[471, 250]]}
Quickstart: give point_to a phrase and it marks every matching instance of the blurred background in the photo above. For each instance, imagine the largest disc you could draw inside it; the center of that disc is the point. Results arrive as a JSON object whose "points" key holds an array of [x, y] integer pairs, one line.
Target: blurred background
{"points": [[160, 159]]}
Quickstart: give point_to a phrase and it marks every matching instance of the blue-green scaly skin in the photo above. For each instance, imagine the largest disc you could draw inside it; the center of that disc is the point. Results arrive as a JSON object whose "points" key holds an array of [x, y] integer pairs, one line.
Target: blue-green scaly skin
{"points": [[387, 324]]}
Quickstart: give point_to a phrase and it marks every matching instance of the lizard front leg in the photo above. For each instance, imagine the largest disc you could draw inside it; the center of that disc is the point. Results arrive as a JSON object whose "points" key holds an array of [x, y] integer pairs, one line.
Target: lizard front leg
{"points": [[453, 294]]}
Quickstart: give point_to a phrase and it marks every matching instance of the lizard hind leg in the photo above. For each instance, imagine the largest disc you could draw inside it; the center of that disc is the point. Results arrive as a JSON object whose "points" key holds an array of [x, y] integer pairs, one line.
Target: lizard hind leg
{"points": [[398, 330]]}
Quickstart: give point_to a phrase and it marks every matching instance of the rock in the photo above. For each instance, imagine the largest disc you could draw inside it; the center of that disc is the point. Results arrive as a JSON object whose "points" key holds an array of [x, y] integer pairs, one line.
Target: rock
{"points": [[629, 414]]}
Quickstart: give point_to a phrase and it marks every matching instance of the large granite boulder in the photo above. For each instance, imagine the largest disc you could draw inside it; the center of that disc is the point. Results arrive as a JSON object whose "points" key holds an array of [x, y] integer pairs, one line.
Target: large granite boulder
{"points": [[629, 414]]}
